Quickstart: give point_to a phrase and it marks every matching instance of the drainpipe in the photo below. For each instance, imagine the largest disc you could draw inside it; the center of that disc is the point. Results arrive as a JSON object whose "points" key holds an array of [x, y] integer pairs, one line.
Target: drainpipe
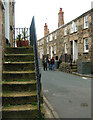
{"points": [[7, 21], [14, 22]]}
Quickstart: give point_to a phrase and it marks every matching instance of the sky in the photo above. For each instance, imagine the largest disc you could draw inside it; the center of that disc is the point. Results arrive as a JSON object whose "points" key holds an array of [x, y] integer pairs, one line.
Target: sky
{"points": [[46, 11]]}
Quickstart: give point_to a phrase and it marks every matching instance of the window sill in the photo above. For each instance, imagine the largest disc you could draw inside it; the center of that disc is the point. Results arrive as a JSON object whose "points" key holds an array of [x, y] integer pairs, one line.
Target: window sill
{"points": [[85, 28], [73, 33], [85, 52]]}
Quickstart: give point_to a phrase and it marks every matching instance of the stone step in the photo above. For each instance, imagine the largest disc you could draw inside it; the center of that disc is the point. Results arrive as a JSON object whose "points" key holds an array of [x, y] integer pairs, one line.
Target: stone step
{"points": [[19, 98], [74, 67], [18, 57], [74, 70], [21, 50], [19, 86], [19, 66], [20, 111], [18, 75], [23, 112], [74, 64]]}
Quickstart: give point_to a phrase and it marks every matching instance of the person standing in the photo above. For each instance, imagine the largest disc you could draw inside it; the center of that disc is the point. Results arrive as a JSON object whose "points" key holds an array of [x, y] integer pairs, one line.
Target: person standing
{"points": [[45, 64], [49, 62], [53, 63]]}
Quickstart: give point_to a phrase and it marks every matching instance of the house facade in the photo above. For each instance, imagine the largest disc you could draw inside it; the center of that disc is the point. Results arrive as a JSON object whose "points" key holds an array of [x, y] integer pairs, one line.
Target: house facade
{"points": [[71, 42], [9, 21]]}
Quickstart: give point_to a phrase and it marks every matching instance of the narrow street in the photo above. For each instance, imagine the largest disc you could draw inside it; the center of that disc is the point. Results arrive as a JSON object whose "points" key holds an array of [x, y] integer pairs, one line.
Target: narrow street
{"points": [[70, 95]]}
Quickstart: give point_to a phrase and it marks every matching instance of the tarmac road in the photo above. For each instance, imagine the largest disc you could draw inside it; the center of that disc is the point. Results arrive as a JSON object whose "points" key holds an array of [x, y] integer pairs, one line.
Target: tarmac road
{"points": [[70, 95]]}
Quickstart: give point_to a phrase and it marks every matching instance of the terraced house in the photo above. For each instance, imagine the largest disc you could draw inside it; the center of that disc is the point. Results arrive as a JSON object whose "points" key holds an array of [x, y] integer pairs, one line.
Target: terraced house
{"points": [[20, 98], [6, 25], [70, 43]]}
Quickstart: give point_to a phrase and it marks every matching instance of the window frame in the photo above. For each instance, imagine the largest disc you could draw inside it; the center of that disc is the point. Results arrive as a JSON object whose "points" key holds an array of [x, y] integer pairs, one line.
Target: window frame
{"points": [[55, 49], [75, 26], [72, 27], [85, 21], [47, 50], [65, 30], [66, 49], [51, 37], [86, 44]]}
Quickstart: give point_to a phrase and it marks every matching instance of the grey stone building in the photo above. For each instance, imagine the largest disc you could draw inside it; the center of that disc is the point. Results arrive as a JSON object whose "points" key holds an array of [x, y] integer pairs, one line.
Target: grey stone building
{"points": [[70, 43]]}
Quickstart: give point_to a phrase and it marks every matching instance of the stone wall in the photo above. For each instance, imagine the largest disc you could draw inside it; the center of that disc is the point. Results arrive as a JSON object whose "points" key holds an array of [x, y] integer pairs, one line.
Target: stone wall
{"points": [[65, 67]]}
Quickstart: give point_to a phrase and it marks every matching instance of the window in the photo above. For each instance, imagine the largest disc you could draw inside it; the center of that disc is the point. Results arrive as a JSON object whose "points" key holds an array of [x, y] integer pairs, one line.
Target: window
{"points": [[86, 45], [65, 48], [50, 37], [75, 25], [65, 31], [72, 27], [47, 50], [40, 42], [54, 49], [86, 21], [41, 53], [55, 35], [47, 39]]}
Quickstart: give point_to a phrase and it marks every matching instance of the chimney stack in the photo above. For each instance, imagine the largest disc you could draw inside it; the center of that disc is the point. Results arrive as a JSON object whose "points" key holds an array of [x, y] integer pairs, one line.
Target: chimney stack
{"points": [[60, 17], [45, 29]]}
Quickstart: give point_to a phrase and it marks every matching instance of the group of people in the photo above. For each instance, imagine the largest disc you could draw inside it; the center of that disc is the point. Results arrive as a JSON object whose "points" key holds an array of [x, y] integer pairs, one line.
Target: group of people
{"points": [[50, 62]]}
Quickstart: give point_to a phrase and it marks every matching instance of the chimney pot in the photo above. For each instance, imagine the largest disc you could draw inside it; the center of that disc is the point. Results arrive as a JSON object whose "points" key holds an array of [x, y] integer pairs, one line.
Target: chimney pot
{"points": [[60, 9], [45, 24]]}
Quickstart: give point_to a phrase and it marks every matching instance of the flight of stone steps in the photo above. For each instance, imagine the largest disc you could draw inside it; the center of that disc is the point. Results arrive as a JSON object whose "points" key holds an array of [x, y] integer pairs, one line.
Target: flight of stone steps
{"points": [[19, 91], [66, 67]]}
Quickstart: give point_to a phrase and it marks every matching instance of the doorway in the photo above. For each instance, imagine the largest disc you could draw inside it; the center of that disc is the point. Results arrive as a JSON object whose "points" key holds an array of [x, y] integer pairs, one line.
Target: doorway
{"points": [[75, 51]]}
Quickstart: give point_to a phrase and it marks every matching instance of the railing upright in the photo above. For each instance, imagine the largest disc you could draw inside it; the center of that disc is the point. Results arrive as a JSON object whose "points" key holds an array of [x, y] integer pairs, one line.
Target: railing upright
{"points": [[33, 41]]}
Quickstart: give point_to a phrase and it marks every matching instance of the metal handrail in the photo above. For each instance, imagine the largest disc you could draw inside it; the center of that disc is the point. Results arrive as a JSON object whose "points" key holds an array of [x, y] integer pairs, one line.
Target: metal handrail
{"points": [[33, 42]]}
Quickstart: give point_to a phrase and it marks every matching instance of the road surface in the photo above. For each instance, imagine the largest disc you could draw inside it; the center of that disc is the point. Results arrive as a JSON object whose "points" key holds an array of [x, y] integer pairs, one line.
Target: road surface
{"points": [[70, 95]]}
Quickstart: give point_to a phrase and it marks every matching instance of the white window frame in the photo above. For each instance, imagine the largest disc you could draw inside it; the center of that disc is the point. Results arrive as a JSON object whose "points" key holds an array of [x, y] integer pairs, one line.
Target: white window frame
{"points": [[55, 49], [40, 42], [86, 44], [72, 27], [85, 21], [65, 48], [41, 53], [51, 37], [75, 25], [65, 31], [47, 50]]}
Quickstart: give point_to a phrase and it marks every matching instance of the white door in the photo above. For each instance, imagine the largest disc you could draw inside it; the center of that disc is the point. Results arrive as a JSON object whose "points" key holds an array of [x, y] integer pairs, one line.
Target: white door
{"points": [[51, 51], [75, 51]]}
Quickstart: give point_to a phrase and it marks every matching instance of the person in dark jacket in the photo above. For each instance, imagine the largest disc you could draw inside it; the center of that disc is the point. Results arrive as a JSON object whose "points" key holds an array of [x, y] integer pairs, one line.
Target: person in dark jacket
{"points": [[53, 63], [45, 64]]}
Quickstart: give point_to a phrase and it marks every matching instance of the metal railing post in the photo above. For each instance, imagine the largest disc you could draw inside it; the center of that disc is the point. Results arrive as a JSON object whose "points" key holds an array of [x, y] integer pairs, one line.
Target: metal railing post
{"points": [[33, 41]]}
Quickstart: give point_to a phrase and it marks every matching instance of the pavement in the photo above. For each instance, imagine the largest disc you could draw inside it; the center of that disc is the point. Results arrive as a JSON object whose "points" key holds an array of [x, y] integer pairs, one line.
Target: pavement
{"points": [[49, 110], [65, 94]]}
